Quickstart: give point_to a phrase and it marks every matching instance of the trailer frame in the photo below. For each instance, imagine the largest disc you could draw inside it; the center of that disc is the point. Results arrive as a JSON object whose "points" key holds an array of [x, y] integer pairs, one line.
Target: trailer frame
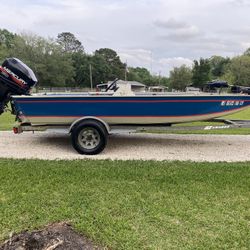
{"points": [[96, 131]]}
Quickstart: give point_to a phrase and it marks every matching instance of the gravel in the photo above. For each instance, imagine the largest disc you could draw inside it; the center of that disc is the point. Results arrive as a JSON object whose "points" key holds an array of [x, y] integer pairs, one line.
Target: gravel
{"points": [[212, 148]]}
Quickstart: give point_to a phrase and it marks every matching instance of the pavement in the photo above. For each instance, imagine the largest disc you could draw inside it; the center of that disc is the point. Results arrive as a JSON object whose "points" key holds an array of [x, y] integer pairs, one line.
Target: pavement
{"points": [[51, 146]]}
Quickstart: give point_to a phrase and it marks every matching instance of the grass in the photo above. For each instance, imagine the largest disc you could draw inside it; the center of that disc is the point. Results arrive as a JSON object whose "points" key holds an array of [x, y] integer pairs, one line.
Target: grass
{"points": [[6, 121], [243, 115], [131, 204]]}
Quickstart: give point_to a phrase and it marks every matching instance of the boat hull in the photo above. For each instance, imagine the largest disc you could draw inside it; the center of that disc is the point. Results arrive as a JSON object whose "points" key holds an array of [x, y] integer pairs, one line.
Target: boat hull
{"points": [[59, 109]]}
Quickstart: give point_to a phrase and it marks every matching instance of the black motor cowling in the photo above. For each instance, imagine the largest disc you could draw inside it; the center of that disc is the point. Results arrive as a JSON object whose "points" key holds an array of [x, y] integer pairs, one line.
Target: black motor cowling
{"points": [[16, 78]]}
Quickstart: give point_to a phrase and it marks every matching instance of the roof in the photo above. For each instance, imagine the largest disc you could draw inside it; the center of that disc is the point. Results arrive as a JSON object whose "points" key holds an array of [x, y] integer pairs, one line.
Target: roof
{"points": [[158, 87]]}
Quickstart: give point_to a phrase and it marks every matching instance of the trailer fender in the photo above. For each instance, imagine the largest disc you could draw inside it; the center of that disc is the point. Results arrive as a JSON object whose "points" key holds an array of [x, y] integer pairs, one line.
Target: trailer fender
{"points": [[89, 118]]}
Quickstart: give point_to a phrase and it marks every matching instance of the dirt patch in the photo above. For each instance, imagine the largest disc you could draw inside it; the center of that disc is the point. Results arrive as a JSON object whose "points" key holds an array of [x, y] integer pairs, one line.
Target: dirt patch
{"points": [[57, 236]]}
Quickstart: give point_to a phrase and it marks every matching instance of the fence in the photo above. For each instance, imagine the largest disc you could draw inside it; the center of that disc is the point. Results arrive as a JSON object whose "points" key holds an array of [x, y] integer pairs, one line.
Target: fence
{"points": [[60, 89]]}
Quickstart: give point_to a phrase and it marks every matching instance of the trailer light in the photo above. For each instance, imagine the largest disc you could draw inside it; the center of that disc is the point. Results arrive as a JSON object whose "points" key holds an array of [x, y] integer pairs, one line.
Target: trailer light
{"points": [[15, 130]]}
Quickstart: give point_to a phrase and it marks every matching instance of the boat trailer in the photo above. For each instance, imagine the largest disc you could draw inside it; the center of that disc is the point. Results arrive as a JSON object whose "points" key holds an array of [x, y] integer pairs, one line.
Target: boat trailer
{"points": [[117, 129], [89, 135]]}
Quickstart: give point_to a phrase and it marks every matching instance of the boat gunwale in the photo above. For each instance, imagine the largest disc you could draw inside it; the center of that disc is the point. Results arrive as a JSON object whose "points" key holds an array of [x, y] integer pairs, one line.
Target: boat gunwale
{"points": [[126, 96]]}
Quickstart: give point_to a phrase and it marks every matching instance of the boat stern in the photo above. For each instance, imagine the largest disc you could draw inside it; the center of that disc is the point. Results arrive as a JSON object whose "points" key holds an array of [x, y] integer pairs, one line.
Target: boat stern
{"points": [[16, 78]]}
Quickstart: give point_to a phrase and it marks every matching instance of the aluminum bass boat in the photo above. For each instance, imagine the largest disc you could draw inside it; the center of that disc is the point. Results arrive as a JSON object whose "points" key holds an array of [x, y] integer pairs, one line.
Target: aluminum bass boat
{"points": [[122, 110]]}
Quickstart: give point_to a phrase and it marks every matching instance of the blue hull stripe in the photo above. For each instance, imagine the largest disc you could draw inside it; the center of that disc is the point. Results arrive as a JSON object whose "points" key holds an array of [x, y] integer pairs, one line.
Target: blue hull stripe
{"points": [[170, 106], [144, 116]]}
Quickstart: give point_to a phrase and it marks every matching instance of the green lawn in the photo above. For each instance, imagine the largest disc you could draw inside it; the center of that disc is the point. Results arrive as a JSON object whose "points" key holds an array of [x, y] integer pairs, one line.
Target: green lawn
{"points": [[243, 115], [131, 204], [6, 121]]}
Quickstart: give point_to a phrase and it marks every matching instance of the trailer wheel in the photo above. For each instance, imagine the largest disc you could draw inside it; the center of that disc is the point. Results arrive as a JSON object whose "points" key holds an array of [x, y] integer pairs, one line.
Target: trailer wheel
{"points": [[89, 137]]}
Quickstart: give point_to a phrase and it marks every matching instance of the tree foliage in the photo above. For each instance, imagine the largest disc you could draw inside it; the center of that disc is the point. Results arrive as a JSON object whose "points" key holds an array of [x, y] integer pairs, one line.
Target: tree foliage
{"points": [[69, 42], [140, 75], [102, 72], [45, 57], [218, 66], [63, 62], [240, 70], [201, 72], [100, 69], [6, 42], [116, 67], [180, 78], [6, 38], [247, 52], [81, 66]]}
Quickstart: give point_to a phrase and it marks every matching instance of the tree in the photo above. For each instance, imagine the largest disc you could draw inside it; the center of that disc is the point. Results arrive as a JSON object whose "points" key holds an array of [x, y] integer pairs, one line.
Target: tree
{"points": [[6, 41], [81, 66], [247, 52], [165, 81], [180, 77], [140, 75], [218, 66], [228, 77], [201, 72], [45, 57], [6, 38], [69, 42], [158, 80], [239, 70], [100, 69], [117, 68]]}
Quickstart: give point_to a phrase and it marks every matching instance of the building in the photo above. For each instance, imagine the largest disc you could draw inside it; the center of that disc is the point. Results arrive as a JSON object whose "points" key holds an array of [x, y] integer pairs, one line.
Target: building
{"points": [[158, 88], [192, 89], [135, 86]]}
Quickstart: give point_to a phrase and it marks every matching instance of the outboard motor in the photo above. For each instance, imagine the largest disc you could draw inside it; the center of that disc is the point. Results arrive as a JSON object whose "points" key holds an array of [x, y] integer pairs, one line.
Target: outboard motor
{"points": [[16, 78]]}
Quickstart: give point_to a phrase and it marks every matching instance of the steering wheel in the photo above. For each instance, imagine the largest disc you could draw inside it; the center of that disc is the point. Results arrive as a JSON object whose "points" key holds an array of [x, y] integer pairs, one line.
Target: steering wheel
{"points": [[112, 85]]}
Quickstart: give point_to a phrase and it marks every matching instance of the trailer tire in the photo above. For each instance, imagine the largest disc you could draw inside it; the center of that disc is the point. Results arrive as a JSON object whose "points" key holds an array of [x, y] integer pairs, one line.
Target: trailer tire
{"points": [[89, 137]]}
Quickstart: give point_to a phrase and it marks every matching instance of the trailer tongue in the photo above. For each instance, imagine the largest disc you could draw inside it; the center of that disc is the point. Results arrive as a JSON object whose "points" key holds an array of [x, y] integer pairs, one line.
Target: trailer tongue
{"points": [[16, 78]]}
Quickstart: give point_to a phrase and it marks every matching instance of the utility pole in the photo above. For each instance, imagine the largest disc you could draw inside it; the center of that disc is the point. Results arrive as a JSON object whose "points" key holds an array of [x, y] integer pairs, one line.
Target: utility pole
{"points": [[159, 77], [90, 76]]}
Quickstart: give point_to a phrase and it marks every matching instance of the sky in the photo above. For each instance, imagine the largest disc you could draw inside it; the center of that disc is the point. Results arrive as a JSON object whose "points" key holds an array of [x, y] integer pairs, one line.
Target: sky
{"points": [[156, 34]]}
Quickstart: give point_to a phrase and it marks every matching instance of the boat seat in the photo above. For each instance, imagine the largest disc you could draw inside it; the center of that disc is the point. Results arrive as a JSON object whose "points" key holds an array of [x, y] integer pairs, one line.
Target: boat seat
{"points": [[124, 90]]}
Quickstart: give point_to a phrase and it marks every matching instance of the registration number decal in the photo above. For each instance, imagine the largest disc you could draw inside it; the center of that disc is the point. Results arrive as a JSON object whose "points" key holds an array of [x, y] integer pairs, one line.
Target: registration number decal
{"points": [[232, 103]]}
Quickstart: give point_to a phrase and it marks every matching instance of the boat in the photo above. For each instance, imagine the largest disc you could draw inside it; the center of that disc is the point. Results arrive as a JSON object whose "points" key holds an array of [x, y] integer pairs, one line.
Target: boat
{"points": [[117, 106], [130, 110]]}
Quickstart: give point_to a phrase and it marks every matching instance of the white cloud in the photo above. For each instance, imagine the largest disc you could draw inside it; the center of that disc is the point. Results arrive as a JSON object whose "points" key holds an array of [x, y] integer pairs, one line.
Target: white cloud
{"points": [[171, 24], [245, 45], [146, 59], [176, 62], [137, 57], [175, 31], [165, 65], [240, 2], [180, 35]]}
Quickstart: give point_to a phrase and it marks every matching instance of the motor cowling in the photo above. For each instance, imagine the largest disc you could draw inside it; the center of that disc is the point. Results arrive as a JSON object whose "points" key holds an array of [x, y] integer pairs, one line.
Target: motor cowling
{"points": [[16, 78]]}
